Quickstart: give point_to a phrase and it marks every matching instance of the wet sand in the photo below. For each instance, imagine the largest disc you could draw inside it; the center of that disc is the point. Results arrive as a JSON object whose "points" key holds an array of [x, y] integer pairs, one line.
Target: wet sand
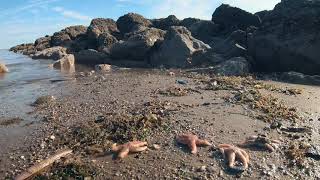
{"points": [[203, 112]]}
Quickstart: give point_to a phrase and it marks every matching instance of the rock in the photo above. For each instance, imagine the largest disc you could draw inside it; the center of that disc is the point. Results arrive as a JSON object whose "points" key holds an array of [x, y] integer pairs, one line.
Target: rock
{"points": [[313, 152], [65, 36], [42, 43], [232, 18], [44, 100], [188, 22], [3, 68], [205, 30], [91, 56], [26, 49], [76, 31], [177, 48], [299, 78], [237, 66], [132, 22], [54, 53], [156, 146], [288, 38], [103, 67], [105, 41], [79, 44], [66, 62], [202, 169], [166, 23], [137, 46], [207, 58]]}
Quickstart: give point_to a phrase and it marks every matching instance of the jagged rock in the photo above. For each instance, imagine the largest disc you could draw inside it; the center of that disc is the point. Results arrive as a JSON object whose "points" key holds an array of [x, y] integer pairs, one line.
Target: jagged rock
{"points": [[91, 56], [105, 41], [237, 66], [207, 58], [177, 48], [75, 31], [26, 49], [289, 38], [232, 18], [54, 53], [3, 68], [262, 14], [205, 30], [166, 23], [132, 22], [42, 43], [66, 62], [65, 36], [188, 22], [137, 46]]}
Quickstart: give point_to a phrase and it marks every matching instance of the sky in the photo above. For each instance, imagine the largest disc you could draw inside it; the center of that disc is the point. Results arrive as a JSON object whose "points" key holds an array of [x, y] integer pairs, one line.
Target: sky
{"points": [[23, 21]]}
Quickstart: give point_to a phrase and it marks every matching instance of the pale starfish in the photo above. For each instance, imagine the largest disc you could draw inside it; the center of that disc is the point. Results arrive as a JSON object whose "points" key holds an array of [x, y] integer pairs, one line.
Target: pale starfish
{"points": [[130, 147], [192, 141], [233, 153], [261, 141]]}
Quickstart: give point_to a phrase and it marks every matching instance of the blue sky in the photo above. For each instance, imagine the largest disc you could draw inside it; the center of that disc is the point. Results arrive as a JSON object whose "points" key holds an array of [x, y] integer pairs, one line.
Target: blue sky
{"points": [[25, 20]]}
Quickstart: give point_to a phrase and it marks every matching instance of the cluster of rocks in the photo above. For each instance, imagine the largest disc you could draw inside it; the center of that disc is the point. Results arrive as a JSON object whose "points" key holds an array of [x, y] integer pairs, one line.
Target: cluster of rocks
{"points": [[234, 41]]}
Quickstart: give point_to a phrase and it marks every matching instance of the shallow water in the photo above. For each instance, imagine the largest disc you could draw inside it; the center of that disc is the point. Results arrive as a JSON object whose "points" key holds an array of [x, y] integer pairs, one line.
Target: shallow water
{"points": [[27, 80]]}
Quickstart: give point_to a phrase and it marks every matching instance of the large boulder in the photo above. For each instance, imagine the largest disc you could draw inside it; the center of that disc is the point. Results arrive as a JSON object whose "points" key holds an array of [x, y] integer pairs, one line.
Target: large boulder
{"points": [[26, 49], [132, 22], [207, 58], [91, 57], [205, 30], [42, 43], [188, 22], [137, 46], [3, 68], [67, 62], [232, 18], [289, 38], [166, 23], [105, 41], [65, 36], [237, 66], [177, 48], [54, 53]]}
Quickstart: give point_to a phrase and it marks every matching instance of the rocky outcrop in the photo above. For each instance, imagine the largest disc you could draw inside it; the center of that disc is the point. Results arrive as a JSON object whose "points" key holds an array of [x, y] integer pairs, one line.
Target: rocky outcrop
{"points": [[54, 53], [205, 31], [177, 48], [42, 43], [105, 42], [166, 23], [132, 22], [188, 22], [232, 18], [137, 46], [289, 38], [26, 49], [237, 66], [3, 68], [64, 37], [67, 62], [91, 57]]}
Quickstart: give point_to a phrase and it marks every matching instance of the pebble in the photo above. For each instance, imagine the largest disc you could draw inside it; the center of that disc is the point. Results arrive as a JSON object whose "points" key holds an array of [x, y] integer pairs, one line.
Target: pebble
{"points": [[156, 146], [202, 169], [52, 137]]}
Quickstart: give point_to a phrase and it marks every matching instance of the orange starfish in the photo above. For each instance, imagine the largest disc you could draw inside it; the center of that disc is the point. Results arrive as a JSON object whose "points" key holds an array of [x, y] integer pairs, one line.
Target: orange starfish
{"points": [[124, 149], [231, 153], [192, 141]]}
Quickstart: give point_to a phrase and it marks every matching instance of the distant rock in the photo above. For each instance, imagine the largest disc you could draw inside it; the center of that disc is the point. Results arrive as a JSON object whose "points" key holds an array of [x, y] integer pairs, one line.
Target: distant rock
{"points": [[65, 36], [26, 49], [177, 48], [166, 23], [132, 22], [188, 22], [232, 18], [288, 39], [42, 43], [54, 53], [66, 62], [237, 66], [137, 46], [91, 57], [3, 68]]}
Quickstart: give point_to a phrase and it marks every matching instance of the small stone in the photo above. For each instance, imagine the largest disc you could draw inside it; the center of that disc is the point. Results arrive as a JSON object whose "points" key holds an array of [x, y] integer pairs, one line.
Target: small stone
{"points": [[211, 169], [202, 169], [156, 146], [171, 73], [22, 157], [52, 137]]}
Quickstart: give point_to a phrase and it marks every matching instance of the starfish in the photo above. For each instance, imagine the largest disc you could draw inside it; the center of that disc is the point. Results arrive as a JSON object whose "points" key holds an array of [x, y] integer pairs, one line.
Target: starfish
{"points": [[231, 153], [192, 141], [261, 141], [130, 147]]}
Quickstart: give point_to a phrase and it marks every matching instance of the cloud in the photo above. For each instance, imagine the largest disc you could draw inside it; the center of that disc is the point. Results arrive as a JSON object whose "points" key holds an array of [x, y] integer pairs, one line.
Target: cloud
{"points": [[71, 14], [253, 5]]}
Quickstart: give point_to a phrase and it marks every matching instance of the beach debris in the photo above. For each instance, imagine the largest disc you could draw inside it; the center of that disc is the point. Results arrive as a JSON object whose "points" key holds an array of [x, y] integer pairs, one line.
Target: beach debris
{"points": [[192, 141], [130, 147], [37, 168], [261, 142], [182, 81], [10, 121], [297, 152], [313, 152], [231, 154], [292, 91], [44, 100], [156, 146], [171, 73], [174, 91], [103, 68], [307, 130], [3, 68]]}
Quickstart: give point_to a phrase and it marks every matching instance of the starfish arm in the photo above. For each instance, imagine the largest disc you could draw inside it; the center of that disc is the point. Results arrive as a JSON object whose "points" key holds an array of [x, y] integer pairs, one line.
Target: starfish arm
{"points": [[242, 158], [138, 149], [269, 147], [193, 146], [123, 153], [138, 143], [115, 147], [222, 152], [276, 141], [231, 157], [202, 142], [245, 154], [224, 146]]}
